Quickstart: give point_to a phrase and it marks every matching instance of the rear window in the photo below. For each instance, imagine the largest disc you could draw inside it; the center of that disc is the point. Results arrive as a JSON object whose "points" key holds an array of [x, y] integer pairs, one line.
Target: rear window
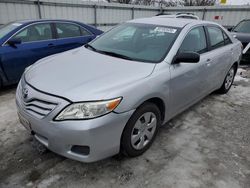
{"points": [[68, 30]]}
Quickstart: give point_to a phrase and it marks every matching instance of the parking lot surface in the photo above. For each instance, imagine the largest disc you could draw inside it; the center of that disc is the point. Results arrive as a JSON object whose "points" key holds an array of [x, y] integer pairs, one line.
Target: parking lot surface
{"points": [[206, 146]]}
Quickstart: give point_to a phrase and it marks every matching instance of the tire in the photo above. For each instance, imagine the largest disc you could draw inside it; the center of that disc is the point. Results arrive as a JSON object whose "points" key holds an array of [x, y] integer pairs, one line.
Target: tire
{"points": [[140, 130], [228, 81], [1, 83]]}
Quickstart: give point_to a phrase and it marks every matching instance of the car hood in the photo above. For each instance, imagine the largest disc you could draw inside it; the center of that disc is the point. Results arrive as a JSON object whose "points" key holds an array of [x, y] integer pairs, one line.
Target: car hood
{"points": [[243, 37], [83, 75]]}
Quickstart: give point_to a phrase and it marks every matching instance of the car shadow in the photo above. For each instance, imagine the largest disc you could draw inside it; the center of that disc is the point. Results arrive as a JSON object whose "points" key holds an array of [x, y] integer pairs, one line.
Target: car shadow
{"points": [[8, 89]]}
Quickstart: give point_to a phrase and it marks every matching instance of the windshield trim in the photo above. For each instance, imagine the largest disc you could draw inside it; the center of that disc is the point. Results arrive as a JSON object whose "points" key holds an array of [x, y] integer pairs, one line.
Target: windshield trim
{"points": [[179, 29], [246, 20]]}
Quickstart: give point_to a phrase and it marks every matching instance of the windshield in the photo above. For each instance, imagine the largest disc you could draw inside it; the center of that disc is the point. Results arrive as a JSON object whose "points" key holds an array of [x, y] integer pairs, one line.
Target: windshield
{"points": [[243, 27], [5, 29], [138, 42]]}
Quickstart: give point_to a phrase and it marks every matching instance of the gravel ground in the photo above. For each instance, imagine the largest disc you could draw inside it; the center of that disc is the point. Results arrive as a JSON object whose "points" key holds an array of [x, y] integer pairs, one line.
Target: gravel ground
{"points": [[206, 146]]}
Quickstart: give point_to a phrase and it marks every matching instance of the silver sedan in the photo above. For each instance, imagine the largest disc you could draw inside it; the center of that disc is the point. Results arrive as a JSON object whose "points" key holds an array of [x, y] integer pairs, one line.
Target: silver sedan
{"points": [[113, 94]]}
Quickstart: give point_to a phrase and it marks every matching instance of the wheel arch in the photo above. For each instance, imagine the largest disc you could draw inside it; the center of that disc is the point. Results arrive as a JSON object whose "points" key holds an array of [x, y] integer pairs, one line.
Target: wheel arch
{"points": [[236, 66], [3, 76], [159, 103]]}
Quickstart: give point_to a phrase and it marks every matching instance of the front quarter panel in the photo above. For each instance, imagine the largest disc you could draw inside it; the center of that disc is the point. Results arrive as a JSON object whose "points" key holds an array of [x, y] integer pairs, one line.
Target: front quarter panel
{"points": [[155, 85]]}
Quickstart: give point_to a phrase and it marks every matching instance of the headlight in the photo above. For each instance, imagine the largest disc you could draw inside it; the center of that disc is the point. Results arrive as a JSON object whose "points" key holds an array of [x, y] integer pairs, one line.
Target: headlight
{"points": [[88, 110]]}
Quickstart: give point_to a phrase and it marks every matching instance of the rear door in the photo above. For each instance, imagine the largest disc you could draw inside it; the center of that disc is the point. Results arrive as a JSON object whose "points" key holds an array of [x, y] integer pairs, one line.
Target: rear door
{"points": [[36, 42], [189, 80], [221, 50], [71, 35]]}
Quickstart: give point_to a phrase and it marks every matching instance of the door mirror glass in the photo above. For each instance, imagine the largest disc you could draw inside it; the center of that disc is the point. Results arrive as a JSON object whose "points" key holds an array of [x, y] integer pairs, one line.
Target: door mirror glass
{"points": [[187, 57], [14, 41]]}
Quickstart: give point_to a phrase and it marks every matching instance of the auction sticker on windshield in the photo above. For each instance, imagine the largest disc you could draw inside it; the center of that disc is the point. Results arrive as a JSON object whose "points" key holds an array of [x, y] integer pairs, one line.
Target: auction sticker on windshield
{"points": [[165, 30]]}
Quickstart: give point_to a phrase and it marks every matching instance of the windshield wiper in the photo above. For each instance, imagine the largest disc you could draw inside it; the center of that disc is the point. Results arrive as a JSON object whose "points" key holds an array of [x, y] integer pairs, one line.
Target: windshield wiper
{"points": [[109, 53], [89, 46], [116, 55]]}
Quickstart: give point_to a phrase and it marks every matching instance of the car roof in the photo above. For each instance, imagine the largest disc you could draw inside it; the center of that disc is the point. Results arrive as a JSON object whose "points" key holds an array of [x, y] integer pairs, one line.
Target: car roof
{"points": [[188, 16], [43, 20], [170, 22]]}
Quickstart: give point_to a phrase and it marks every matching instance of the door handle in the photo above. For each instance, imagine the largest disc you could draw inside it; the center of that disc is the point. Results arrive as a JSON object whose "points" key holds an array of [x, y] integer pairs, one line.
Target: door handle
{"points": [[208, 63], [51, 45], [232, 51]]}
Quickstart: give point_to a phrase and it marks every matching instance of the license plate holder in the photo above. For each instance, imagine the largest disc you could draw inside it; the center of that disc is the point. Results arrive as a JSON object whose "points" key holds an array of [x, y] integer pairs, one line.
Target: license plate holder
{"points": [[24, 122]]}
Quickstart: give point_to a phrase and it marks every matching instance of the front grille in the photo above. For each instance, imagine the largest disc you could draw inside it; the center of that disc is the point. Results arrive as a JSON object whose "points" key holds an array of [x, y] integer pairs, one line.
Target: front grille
{"points": [[36, 104], [39, 107]]}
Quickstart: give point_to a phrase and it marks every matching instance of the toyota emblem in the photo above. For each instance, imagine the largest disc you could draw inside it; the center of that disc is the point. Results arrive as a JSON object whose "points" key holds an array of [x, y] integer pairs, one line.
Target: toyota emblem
{"points": [[25, 93]]}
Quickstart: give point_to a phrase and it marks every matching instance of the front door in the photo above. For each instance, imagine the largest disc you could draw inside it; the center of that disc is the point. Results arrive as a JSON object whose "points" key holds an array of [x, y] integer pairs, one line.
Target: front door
{"points": [[36, 43], [188, 80]]}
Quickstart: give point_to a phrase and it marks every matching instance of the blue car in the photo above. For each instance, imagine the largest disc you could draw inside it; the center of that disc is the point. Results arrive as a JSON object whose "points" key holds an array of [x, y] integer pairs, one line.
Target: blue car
{"points": [[22, 43]]}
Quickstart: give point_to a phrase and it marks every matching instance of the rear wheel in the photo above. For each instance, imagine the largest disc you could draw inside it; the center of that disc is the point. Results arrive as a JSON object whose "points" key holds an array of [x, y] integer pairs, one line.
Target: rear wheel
{"points": [[141, 130], [228, 81]]}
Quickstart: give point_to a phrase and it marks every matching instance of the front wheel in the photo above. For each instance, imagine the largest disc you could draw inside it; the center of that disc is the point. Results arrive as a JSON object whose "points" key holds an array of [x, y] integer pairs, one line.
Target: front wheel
{"points": [[140, 130], [1, 83], [228, 82]]}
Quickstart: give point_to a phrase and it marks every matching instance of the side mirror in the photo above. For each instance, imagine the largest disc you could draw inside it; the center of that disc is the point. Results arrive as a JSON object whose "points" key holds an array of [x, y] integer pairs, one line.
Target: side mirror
{"points": [[230, 29], [187, 57], [14, 42]]}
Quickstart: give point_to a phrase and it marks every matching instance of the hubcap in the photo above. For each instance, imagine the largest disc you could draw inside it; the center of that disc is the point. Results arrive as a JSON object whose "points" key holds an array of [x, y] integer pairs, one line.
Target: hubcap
{"points": [[143, 130], [229, 78]]}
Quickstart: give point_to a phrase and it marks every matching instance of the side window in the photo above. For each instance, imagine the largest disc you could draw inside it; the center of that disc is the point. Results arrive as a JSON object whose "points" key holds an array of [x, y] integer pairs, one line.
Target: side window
{"points": [[67, 30], [195, 41], [84, 32], [37, 32], [227, 39], [216, 37]]}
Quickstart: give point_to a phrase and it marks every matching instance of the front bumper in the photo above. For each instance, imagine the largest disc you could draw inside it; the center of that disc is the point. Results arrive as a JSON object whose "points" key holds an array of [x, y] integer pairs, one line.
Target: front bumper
{"points": [[101, 135]]}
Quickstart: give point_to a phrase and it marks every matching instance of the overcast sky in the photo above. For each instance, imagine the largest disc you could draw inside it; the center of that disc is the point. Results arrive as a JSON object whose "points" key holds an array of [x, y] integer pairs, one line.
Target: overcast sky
{"points": [[238, 2]]}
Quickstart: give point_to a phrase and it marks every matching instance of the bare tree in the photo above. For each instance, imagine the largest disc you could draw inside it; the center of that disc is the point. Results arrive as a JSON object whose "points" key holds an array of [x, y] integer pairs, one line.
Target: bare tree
{"points": [[171, 3], [167, 3], [124, 1], [143, 2], [161, 3], [198, 2]]}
